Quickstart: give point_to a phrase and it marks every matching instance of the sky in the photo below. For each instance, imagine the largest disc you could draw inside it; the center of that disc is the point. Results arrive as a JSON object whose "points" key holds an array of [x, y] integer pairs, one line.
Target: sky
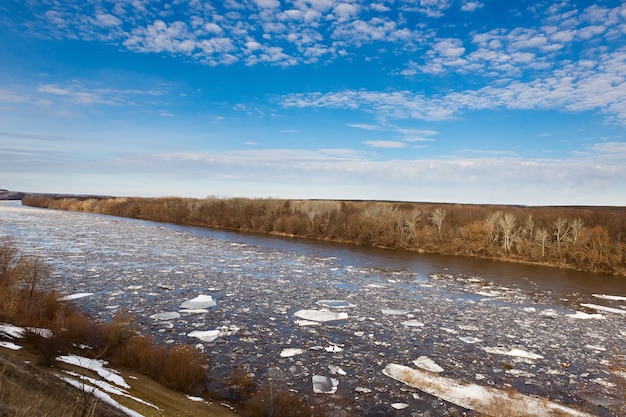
{"points": [[461, 101]]}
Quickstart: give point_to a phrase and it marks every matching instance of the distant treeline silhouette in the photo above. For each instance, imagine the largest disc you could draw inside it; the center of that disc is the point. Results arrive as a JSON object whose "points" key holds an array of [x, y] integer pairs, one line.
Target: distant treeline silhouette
{"points": [[583, 238]]}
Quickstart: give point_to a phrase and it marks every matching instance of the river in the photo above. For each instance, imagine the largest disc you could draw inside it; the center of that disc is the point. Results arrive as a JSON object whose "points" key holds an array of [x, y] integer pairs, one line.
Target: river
{"points": [[298, 311]]}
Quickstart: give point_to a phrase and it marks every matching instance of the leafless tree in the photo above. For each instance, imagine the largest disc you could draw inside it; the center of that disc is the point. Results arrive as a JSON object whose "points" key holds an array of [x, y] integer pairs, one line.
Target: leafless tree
{"points": [[575, 227], [8, 260], [507, 225], [31, 271], [560, 230], [493, 221], [437, 218], [541, 237]]}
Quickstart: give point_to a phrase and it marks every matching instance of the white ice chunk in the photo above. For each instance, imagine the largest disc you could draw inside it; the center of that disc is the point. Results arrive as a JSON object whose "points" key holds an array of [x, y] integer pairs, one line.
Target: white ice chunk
{"points": [[391, 312], [324, 385], [320, 316], [470, 339], [95, 365], [336, 370], [304, 323], [610, 297], [413, 323], [363, 390], [75, 296], [518, 353], [428, 364], [206, 336], [201, 301], [604, 308], [334, 303], [585, 316], [194, 311], [103, 396], [168, 315], [472, 396], [289, 352], [196, 399], [333, 349], [596, 348], [10, 345], [399, 406]]}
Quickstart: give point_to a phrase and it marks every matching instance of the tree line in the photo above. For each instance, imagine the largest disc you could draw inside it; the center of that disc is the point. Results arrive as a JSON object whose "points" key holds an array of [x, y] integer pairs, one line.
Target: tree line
{"points": [[584, 238]]}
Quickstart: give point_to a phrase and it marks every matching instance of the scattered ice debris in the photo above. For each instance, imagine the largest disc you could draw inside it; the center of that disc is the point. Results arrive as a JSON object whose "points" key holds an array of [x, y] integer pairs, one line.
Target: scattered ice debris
{"points": [[428, 364], [168, 315], [363, 390], [391, 312], [548, 312], [470, 339], [585, 316], [45, 333], [336, 370], [518, 353], [289, 352], [475, 397], [413, 323], [610, 297], [529, 309], [201, 301], [324, 385], [603, 308], [75, 296], [320, 316], [334, 303], [333, 349], [9, 330], [206, 336], [96, 365], [491, 293], [399, 406], [10, 345], [596, 348]]}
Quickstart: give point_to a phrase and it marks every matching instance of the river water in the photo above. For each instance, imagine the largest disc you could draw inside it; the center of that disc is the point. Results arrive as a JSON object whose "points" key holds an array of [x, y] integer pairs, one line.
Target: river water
{"points": [[541, 331]]}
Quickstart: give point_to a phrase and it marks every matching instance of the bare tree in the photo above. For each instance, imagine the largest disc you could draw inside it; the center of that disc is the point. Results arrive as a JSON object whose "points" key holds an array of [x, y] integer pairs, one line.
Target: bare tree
{"points": [[507, 225], [575, 227], [541, 237], [31, 271], [560, 230], [437, 218], [493, 221], [8, 261]]}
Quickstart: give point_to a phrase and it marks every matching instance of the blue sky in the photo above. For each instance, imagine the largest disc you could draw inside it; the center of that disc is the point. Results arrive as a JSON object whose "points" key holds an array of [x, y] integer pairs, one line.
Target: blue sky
{"points": [[417, 100]]}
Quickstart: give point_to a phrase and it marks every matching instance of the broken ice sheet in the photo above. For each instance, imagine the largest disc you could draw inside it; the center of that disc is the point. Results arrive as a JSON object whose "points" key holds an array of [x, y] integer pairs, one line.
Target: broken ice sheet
{"points": [[320, 316], [334, 303], [168, 315], [519, 353], [428, 364], [206, 335], [200, 302], [289, 352], [324, 385]]}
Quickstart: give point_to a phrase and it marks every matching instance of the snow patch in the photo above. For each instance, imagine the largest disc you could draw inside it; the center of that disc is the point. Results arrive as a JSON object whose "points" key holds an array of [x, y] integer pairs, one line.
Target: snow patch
{"points": [[603, 308], [10, 345], [96, 365], [610, 297]]}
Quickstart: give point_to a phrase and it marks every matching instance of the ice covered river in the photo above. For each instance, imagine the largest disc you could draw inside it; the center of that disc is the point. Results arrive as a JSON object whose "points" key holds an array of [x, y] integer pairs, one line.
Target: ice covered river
{"points": [[331, 321]]}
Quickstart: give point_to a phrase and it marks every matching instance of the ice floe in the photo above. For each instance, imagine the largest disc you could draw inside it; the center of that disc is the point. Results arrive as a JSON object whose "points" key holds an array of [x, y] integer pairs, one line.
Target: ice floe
{"points": [[610, 297], [320, 316], [289, 352], [334, 303], [413, 323], [206, 335], [603, 308], [200, 302], [470, 339], [519, 353], [475, 397], [168, 315], [585, 316], [324, 384], [75, 296], [427, 364]]}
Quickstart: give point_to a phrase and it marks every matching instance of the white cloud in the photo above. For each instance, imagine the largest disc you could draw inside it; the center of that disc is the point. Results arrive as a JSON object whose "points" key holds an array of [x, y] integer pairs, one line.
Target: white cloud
{"points": [[364, 126], [106, 20], [384, 144], [470, 6]]}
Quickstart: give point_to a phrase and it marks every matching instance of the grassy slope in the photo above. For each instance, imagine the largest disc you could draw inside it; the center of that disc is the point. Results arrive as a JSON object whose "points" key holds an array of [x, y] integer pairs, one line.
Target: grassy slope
{"points": [[27, 389]]}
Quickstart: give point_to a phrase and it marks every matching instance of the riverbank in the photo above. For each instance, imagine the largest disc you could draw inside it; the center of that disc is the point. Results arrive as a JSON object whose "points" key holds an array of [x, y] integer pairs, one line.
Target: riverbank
{"points": [[589, 239]]}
